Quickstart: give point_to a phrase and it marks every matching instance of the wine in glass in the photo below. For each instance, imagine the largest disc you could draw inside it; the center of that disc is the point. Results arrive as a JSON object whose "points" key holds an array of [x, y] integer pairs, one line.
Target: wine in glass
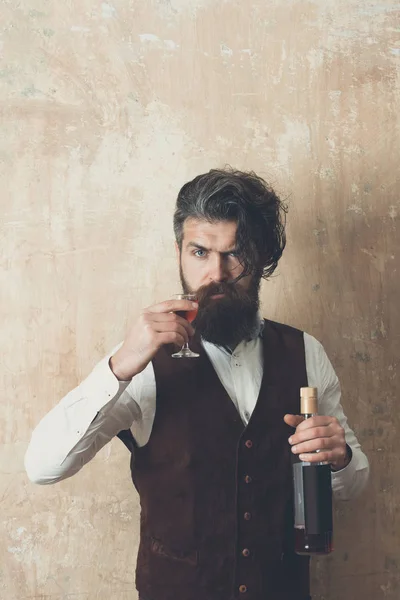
{"points": [[190, 316]]}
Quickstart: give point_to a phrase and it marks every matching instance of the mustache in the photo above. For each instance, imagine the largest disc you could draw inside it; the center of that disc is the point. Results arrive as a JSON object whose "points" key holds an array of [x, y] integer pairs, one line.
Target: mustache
{"points": [[205, 292]]}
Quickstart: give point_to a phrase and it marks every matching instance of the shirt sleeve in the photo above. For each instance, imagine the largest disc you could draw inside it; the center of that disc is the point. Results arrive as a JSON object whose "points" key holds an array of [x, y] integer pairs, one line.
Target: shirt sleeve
{"points": [[350, 481], [85, 420]]}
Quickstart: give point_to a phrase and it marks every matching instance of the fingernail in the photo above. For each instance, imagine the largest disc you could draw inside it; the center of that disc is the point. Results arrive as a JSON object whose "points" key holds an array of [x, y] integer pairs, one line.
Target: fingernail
{"points": [[294, 449], [302, 457], [290, 440]]}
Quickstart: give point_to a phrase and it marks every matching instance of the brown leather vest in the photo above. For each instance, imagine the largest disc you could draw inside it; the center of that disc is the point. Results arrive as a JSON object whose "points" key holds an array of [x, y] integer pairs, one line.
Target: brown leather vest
{"points": [[216, 496]]}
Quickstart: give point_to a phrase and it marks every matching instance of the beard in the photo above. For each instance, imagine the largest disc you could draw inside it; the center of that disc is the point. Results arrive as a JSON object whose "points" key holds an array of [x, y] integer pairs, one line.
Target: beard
{"points": [[229, 320]]}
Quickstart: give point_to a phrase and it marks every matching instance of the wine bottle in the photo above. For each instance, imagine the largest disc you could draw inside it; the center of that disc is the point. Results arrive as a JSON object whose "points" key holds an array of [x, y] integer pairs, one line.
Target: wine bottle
{"points": [[313, 525]]}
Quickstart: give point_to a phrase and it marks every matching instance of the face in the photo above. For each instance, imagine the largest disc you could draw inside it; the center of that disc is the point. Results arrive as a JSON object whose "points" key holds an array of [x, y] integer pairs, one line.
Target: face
{"points": [[209, 253], [210, 267]]}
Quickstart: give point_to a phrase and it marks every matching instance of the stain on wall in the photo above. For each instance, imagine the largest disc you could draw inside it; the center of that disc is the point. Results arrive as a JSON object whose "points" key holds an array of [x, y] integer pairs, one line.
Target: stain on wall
{"points": [[106, 109]]}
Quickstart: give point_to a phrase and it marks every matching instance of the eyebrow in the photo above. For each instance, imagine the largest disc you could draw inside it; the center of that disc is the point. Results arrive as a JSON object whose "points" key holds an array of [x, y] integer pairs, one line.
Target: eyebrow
{"points": [[200, 247]]}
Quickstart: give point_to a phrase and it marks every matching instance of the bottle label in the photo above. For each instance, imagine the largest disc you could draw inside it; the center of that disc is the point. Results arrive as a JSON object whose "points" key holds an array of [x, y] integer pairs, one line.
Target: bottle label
{"points": [[312, 498]]}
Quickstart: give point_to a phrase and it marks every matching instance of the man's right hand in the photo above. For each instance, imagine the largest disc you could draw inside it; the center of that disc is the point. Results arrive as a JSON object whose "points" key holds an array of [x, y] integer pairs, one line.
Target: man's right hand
{"points": [[158, 325]]}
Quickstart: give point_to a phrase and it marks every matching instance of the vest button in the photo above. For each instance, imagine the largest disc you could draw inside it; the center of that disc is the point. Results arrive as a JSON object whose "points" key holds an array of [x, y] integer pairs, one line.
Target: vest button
{"points": [[242, 589], [248, 479], [247, 516], [246, 552], [248, 444]]}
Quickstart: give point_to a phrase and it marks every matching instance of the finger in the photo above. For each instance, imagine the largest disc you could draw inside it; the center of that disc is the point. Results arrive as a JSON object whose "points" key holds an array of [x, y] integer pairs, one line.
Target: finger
{"points": [[324, 458], [154, 319], [303, 435], [293, 420], [172, 328], [319, 444], [317, 421], [172, 306], [171, 337]]}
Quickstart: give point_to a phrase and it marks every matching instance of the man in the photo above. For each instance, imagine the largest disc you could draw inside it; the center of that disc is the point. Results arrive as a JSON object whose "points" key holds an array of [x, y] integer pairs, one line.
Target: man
{"points": [[212, 437]]}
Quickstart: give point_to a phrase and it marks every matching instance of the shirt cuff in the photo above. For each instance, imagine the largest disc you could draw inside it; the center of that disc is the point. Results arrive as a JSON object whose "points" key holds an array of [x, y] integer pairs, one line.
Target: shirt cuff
{"points": [[102, 386], [343, 480], [92, 400]]}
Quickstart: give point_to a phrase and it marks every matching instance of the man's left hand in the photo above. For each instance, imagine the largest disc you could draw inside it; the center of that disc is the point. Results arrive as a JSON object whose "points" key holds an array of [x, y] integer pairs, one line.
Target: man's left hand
{"points": [[321, 433]]}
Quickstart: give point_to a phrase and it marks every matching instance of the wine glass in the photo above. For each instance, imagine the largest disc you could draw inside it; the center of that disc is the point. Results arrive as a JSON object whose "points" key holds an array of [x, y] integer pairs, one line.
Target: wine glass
{"points": [[189, 315]]}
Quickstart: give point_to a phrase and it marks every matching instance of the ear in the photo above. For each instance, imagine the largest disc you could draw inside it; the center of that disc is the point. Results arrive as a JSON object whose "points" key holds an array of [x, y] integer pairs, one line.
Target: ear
{"points": [[178, 252]]}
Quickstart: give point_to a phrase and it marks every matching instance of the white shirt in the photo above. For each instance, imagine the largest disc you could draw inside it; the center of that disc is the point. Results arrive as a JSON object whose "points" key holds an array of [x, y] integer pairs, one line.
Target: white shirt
{"points": [[89, 416]]}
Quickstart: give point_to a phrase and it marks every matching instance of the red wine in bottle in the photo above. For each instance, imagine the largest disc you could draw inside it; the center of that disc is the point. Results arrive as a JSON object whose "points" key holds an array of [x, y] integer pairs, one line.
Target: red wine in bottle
{"points": [[313, 525]]}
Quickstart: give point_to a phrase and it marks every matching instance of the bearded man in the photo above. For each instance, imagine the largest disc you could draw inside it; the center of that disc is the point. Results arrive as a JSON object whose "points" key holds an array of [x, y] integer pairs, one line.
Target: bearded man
{"points": [[211, 438]]}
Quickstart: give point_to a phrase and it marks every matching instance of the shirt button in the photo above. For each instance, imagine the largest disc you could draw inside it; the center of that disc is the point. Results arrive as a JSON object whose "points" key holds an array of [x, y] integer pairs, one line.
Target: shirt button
{"points": [[246, 552], [248, 444], [242, 589], [248, 479], [247, 516]]}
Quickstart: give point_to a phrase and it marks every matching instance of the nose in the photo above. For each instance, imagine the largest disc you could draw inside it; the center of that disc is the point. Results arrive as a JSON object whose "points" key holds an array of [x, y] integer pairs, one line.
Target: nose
{"points": [[218, 269]]}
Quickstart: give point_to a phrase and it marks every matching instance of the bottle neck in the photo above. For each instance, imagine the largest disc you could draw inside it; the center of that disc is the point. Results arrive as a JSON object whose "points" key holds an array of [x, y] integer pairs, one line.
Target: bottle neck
{"points": [[309, 415]]}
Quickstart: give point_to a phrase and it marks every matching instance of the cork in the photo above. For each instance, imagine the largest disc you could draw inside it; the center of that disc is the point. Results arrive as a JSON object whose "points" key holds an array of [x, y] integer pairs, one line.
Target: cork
{"points": [[308, 401]]}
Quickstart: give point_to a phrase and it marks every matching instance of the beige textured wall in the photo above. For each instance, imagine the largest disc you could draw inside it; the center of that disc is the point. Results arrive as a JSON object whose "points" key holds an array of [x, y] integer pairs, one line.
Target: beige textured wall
{"points": [[106, 109]]}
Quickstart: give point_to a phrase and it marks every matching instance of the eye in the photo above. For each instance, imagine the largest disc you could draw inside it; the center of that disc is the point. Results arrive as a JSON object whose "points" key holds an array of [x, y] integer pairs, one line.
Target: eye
{"points": [[233, 254], [200, 253]]}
